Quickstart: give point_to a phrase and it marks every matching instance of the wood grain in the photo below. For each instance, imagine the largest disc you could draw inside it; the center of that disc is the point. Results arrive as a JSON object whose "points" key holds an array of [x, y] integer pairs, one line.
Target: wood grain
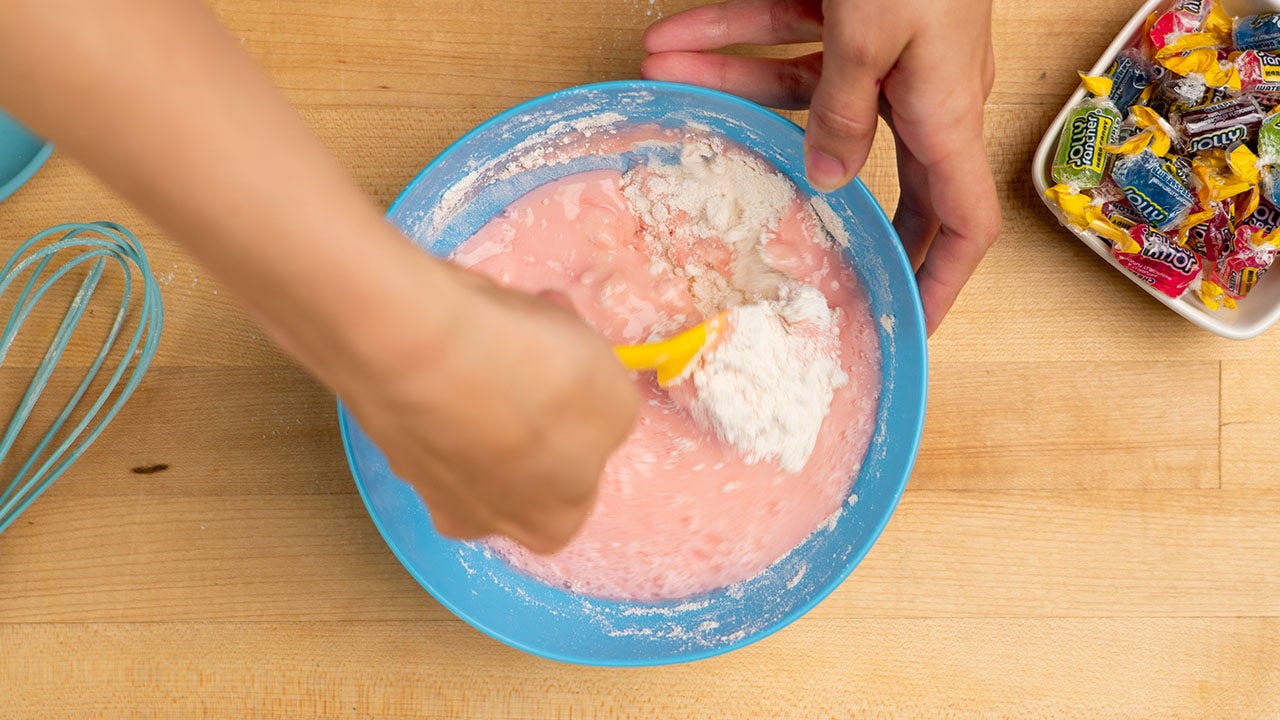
{"points": [[141, 557], [1021, 425], [1250, 399], [1093, 528], [989, 668]]}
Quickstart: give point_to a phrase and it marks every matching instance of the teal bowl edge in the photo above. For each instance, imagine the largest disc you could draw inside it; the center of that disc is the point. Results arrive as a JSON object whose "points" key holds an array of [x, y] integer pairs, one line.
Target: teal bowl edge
{"points": [[28, 171]]}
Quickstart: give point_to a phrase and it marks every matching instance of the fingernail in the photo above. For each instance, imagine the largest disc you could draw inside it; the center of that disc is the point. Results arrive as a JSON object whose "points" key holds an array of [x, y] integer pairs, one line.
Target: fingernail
{"points": [[825, 172]]}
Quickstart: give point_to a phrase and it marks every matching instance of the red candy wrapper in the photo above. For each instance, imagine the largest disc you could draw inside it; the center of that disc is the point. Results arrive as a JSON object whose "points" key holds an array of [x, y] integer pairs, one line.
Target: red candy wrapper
{"points": [[1160, 261], [1240, 270], [1212, 239], [1220, 240], [1259, 72], [1182, 18]]}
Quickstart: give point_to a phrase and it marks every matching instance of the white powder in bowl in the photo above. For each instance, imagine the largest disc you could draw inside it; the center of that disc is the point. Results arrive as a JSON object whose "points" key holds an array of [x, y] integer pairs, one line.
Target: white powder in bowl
{"points": [[766, 387], [712, 194]]}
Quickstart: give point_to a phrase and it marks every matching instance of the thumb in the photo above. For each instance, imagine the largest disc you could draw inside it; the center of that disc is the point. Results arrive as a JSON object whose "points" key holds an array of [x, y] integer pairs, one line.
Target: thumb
{"points": [[846, 102]]}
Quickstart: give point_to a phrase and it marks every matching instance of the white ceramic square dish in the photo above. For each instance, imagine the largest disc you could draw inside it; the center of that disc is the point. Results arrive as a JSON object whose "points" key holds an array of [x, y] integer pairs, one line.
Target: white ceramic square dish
{"points": [[1257, 312]]}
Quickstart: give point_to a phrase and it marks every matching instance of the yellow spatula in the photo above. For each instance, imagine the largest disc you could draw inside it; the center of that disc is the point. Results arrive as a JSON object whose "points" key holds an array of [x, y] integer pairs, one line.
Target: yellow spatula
{"points": [[670, 357]]}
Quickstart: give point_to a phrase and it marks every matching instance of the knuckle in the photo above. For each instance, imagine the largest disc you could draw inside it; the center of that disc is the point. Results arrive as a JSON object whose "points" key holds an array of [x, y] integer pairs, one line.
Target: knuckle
{"points": [[798, 78], [543, 541], [991, 230], [966, 101], [859, 50], [840, 120], [785, 16], [915, 213], [722, 73], [987, 224], [929, 275]]}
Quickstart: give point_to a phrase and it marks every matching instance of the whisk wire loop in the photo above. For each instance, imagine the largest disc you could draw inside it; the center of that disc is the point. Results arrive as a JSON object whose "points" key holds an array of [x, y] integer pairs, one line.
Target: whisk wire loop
{"points": [[97, 246]]}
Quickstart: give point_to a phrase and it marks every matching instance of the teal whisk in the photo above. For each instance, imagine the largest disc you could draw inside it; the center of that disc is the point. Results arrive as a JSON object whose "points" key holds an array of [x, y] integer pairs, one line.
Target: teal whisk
{"points": [[39, 264]]}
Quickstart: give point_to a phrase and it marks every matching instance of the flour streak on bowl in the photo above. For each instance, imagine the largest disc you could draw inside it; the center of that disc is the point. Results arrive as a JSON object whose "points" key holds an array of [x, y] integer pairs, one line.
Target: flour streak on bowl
{"points": [[539, 141]]}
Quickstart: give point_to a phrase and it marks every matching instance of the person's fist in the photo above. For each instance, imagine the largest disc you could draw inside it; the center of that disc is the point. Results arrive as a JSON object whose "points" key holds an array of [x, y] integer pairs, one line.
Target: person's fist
{"points": [[503, 418]]}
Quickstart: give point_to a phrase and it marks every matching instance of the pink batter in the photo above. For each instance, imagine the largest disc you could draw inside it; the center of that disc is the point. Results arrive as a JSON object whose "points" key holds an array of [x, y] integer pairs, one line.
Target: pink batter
{"points": [[679, 512]]}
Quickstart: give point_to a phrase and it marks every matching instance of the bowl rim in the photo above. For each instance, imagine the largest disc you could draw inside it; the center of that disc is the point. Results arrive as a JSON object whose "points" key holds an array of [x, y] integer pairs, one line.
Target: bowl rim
{"points": [[1189, 309], [916, 412], [28, 171]]}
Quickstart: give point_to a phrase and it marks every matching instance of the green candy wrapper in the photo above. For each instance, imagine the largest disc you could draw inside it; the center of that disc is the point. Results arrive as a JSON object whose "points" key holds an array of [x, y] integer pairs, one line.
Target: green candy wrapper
{"points": [[1082, 157]]}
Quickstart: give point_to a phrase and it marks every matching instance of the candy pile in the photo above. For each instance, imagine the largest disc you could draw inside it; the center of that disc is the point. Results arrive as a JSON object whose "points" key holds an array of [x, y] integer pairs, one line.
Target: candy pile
{"points": [[1174, 157]]}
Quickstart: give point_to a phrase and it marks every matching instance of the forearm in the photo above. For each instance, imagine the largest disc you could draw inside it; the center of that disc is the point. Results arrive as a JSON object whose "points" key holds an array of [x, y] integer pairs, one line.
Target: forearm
{"points": [[154, 97]]}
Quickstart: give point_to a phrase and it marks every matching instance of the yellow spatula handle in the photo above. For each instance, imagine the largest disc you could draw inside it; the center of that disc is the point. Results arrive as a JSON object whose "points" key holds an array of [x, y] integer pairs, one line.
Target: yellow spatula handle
{"points": [[668, 357]]}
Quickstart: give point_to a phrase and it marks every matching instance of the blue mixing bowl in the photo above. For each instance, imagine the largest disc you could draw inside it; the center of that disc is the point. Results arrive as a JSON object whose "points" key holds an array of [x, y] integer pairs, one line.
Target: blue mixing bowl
{"points": [[21, 155], [467, 185]]}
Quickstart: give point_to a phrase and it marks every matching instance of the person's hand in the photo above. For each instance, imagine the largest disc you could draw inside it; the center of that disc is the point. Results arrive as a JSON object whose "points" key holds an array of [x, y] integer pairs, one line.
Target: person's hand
{"points": [[505, 426], [499, 408], [925, 65]]}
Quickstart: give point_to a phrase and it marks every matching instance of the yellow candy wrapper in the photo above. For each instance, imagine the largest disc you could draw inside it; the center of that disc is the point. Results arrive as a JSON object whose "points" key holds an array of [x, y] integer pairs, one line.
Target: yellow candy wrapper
{"points": [[1188, 43], [1156, 134], [1271, 238], [1214, 297], [1223, 175], [1248, 206], [1219, 24], [1081, 212], [1194, 220], [1204, 62], [1097, 85], [1243, 164]]}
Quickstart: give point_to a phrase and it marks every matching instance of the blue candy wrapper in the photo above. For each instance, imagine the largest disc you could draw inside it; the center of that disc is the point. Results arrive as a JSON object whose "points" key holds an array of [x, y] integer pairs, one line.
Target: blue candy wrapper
{"points": [[1153, 190], [1130, 75], [1258, 32]]}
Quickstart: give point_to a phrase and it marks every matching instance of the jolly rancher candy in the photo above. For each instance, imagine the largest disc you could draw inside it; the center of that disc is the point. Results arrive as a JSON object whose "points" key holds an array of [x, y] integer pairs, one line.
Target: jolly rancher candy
{"points": [[1121, 214], [1220, 125], [1153, 190], [1213, 239], [1259, 72], [1081, 161], [1160, 162], [1269, 140], [1179, 166], [1257, 32], [1271, 184], [1182, 18], [1265, 216], [1131, 74], [1238, 272], [1159, 261], [1178, 95]]}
